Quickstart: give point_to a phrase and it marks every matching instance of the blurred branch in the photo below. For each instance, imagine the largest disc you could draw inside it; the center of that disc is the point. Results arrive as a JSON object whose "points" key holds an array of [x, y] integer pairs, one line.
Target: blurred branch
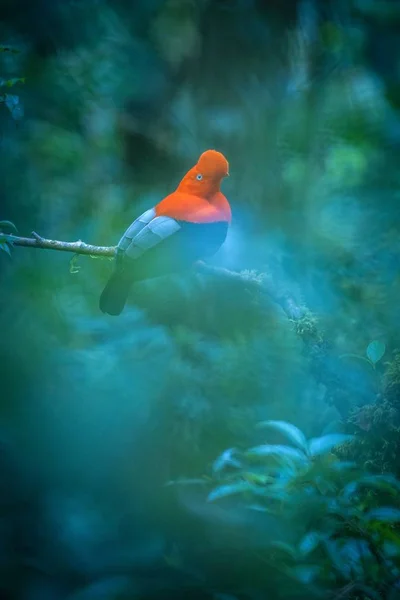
{"points": [[316, 348], [257, 282], [78, 247], [261, 284]]}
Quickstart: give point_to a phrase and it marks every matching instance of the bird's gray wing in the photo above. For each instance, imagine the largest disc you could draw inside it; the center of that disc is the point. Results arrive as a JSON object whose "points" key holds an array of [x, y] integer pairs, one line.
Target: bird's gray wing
{"points": [[146, 232]]}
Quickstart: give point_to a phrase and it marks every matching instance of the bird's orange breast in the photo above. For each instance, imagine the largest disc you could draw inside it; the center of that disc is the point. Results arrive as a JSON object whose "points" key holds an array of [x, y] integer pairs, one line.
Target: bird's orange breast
{"points": [[194, 209]]}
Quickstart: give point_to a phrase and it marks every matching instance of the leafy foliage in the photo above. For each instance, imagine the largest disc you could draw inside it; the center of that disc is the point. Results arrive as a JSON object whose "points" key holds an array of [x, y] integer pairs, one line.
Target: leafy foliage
{"points": [[346, 520], [11, 101], [375, 351], [376, 425], [5, 238]]}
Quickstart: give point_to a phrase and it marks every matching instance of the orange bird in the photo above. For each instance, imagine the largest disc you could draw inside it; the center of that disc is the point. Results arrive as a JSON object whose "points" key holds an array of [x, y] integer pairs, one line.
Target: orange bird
{"points": [[188, 225]]}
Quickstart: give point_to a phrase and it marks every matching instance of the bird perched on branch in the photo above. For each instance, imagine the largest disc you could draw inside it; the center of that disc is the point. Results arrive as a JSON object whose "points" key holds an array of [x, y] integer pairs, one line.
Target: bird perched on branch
{"points": [[188, 225]]}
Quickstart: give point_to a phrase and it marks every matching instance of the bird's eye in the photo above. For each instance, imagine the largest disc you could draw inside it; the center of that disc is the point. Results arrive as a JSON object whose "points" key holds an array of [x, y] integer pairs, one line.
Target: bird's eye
{"points": [[199, 177]]}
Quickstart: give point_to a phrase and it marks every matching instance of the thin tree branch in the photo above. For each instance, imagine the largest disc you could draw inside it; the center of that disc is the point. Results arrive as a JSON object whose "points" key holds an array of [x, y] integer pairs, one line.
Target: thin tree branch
{"points": [[78, 247]]}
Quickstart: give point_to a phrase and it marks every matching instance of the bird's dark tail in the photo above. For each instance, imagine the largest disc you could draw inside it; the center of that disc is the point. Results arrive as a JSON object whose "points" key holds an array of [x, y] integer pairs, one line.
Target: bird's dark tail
{"points": [[115, 293]]}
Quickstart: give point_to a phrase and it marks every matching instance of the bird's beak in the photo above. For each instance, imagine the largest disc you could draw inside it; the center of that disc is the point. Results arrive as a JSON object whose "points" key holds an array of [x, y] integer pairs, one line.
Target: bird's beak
{"points": [[227, 174]]}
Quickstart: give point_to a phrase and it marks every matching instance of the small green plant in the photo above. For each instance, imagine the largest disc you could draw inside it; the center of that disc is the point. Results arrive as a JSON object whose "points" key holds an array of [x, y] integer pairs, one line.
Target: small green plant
{"points": [[391, 380], [345, 520], [376, 425], [374, 353], [5, 238]]}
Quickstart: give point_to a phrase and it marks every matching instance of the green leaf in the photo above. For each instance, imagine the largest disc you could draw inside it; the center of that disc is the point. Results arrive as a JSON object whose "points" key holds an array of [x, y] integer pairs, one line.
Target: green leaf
{"points": [[226, 459], [272, 493], [357, 356], [231, 489], [385, 514], [375, 351], [350, 489], [11, 82], [324, 486], [6, 243], [258, 508], [4, 225], [306, 573], [283, 548], [74, 267], [324, 444], [9, 49], [343, 465], [258, 478], [309, 542], [187, 481], [5, 248], [391, 549], [277, 452], [14, 106], [385, 483], [337, 559], [5, 238], [287, 429]]}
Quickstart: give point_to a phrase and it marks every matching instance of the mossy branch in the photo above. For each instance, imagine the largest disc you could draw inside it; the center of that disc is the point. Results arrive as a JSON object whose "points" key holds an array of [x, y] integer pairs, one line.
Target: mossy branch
{"points": [[262, 284], [258, 282]]}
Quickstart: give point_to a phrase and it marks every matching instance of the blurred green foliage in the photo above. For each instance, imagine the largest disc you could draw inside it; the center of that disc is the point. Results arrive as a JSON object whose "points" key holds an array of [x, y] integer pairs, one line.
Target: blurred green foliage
{"points": [[344, 521], [11, 101], [119, 101]]}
